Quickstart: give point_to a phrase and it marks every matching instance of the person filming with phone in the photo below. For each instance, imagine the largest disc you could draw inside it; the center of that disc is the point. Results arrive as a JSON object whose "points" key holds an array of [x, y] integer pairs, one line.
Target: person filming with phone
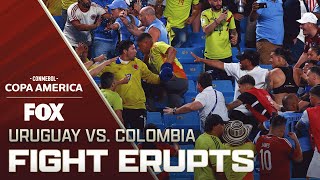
{"points": [[270, 27], [217, 22]]}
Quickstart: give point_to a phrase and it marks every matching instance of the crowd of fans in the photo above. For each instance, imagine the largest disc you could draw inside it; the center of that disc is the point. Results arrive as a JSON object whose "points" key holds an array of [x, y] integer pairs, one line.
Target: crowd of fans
{"points": [[132, 47]]}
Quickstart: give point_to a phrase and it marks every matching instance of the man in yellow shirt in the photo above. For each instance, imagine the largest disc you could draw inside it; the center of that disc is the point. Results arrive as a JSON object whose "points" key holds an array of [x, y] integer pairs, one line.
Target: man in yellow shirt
{"points": [[209, 140], [132, 93], [156, 56], [115, 101], [177, 13], [216, 23]]}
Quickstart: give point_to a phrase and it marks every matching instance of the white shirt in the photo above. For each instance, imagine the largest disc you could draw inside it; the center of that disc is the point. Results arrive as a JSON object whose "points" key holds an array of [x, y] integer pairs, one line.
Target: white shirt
{"points": [[208, 99], [303, 10], [75, 36], [259, 74]]}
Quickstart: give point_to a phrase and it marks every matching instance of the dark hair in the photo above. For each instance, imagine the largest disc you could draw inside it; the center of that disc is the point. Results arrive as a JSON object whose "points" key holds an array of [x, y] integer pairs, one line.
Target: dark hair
{"points": [[284, 53], [314, 62], [124, 45], [315, 90], [205, 80], [107, 79], [144, 36], [251, 55], [277, 121], [316, 49], [212, 120], [247, 79], [315, 70]]}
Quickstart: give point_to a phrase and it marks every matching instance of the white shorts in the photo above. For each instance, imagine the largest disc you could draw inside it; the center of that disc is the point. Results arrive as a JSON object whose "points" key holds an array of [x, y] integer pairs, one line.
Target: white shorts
{"points": [[314, 167]]}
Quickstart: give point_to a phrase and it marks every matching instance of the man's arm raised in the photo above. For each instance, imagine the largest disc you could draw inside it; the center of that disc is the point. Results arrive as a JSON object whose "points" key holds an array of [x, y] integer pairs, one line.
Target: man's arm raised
{"points": [[213, 63]]}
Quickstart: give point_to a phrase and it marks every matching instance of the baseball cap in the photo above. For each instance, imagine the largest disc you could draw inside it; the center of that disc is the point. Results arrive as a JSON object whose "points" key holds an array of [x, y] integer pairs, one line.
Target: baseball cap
{"points": [[121, 4], [251, 55], [213, 120], [308, 18]]}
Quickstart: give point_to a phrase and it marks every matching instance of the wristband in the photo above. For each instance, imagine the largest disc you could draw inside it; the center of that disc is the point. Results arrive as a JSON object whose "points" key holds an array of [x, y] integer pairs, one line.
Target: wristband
{"points": [[174, 110]]}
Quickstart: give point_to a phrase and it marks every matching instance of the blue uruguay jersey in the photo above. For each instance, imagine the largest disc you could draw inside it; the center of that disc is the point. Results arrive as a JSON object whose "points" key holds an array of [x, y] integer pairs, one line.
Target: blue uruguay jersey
{"points": [[124, 33], [100, 33], [163, 31]]}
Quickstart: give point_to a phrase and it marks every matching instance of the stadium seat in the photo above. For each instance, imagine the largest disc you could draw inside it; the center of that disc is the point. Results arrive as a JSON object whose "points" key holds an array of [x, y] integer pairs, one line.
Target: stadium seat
{"points": [[266, 66], [228, 99], [191, 86], [193, 70], [156, 119], [189, 96], [234, 54], [189, 120], [59, 21], [184, 54], [224, 86], [197, 39], [97, 80]]}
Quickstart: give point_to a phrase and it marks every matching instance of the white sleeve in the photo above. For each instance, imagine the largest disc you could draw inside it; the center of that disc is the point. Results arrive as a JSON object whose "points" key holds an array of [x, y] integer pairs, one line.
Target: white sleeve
{"points": [[72, 14], [232, 69], [201, 98], [100, 10], [305, 119]]}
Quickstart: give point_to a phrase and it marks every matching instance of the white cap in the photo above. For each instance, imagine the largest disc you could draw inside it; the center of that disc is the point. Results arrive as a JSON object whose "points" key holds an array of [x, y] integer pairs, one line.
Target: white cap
{"points": [[308, 18]]}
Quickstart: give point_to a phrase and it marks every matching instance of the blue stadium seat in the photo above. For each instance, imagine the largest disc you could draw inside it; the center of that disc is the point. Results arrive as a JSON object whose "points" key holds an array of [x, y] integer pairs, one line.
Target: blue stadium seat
{"points": [[189, 97], [59, 21], [184, 54], [266, 66], [228, 99], [224, 86], [193, 70], [191, 86], [97, 80], [156, 119], [242, 43], [197, 39], [234, 54], [189, 120]]}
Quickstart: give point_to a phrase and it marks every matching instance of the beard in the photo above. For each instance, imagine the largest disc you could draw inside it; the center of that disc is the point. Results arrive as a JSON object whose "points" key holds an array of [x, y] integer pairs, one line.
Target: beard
{"points": [[86, 5], [216, 8]]}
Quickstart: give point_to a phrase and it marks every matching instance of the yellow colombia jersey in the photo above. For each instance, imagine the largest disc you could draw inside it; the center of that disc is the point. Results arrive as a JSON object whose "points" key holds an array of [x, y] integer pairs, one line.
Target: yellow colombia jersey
{"points": [[158, 56], [113, 98], [67, 3], [207, 142], [177, 11], [132, 94], [228, 161], [218, 45]]}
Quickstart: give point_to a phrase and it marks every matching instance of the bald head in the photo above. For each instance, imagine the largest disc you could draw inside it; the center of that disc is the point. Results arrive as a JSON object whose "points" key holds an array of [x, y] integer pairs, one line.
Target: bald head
{"points": [[147, 15], [148, 10], [290, 102]]}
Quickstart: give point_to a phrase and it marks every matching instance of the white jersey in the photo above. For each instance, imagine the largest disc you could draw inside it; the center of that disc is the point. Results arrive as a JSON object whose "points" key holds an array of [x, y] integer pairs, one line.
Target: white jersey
{"points": [[75, 36], [259, 74], [210, 98]]}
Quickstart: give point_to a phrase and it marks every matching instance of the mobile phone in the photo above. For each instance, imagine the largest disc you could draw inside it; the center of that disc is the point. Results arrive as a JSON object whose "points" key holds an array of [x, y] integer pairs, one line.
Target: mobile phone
{"points": [[262, 5], [224, 9]]}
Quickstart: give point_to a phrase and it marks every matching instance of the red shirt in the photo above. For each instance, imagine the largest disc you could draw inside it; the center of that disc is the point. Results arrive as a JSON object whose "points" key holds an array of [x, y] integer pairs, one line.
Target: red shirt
{"points": [[274, 157], [312, 41]]}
